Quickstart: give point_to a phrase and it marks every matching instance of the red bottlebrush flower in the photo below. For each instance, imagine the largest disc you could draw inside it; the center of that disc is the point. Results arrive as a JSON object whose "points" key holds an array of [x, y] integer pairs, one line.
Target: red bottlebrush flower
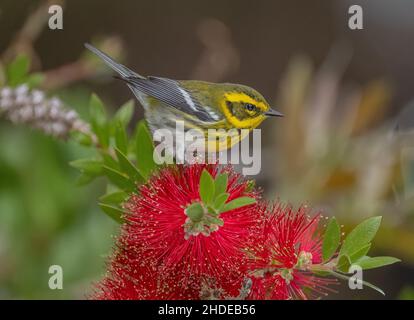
{"points": [[159, 257], [283, 256]]}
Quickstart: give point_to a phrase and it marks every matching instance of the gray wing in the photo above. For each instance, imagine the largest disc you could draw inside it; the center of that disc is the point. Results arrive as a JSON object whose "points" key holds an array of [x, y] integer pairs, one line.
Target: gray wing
{"points": [[171, 93]]}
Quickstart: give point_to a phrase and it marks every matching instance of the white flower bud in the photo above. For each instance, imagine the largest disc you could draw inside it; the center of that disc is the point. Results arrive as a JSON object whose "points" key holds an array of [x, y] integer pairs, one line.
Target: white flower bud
{"points": [[54, 112], [71, 115], [22, 90], [55, 102], [40, 111], [22, 99], [37, 96], [5, 103], [58, 128], [26, 113], [6, 92]]}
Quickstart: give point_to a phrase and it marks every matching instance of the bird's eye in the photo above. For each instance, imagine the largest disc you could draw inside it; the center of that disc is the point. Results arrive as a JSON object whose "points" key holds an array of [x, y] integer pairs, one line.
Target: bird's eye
{"points": [[250, 107]]}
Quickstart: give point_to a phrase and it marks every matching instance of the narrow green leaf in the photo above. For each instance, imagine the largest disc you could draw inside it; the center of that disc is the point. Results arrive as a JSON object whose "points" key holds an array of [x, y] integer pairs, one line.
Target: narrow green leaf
{"points": [[81, 138], [144, 150], [354, 257], [121, 138], [119, 179], [212, 211], [17, 70], [360, 253], [83, 179], [344, 262], [99, 120], [331, 239], [116, 198], [109, 161], [127, 167], [124, 113], [237, 203], [220, 184], [220, 201], [92, 167], [321, 273], [360, 236], [217, 221], [113, 212], [375, 262], [195, 211], [206, 187]]}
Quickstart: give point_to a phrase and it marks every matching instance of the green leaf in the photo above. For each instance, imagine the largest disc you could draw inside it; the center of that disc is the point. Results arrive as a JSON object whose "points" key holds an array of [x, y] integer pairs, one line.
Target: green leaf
{"points": [[17, 70], [124, 113], [237, 203], [127, 166], [354, 257], [113, 212], [84, 179], [109, 161], [119, 179], [375, 262], [212, 211], [331, 239], [81, 138], [344, 262], [195, 211], [121, 138], [116, 198], [206, 187], [220, 184], [220, 201], [360, 236], [217, 221], [99, 120], [144, 150], [321, 273], [35, 79], [92, 167], [360, 253]]}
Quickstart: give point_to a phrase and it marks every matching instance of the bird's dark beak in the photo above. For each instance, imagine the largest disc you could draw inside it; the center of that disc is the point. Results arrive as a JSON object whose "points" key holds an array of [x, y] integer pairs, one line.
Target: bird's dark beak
{"points": [[273, 113]]}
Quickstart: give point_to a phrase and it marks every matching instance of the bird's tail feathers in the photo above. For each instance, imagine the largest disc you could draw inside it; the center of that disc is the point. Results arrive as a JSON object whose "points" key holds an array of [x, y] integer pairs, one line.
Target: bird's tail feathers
{"points": [[123, 71]]}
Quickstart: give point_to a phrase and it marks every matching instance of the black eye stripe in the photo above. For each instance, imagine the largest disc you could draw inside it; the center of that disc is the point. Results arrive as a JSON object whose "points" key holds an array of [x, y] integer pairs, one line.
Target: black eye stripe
{"points": [[230, 106]]}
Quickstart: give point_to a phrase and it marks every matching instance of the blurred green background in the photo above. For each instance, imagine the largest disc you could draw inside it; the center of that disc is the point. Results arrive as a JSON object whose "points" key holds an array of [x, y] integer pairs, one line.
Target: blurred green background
{"points": [[345, 145]]}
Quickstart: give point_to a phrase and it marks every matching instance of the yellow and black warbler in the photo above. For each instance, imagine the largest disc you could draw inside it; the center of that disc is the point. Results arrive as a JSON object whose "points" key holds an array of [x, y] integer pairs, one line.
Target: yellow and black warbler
{"points": [[200, 105]]}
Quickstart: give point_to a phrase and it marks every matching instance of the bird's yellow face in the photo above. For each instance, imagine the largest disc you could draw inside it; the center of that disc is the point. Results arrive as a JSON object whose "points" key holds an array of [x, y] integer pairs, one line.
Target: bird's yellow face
{"points": [[245, 109]]}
